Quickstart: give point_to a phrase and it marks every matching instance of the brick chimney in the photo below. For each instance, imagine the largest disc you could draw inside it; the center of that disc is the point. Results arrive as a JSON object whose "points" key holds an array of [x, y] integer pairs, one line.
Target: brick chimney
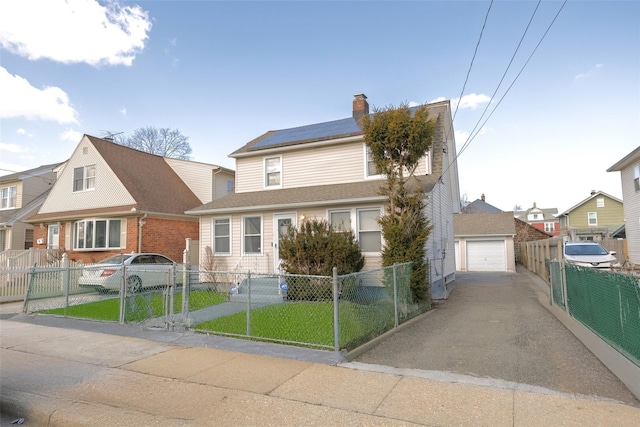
{"points": [[482, 197], [360, 106]]}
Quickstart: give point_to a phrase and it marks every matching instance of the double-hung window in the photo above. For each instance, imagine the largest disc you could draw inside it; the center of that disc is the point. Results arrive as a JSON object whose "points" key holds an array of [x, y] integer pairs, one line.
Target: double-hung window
{"points": [[549, 226], [340, 220], [84, 178], [636, 177], [97, 234], [9, 196], [273, 172], [369, 234], [370, 166], [252, 234], [222, 236], [592, 218]]}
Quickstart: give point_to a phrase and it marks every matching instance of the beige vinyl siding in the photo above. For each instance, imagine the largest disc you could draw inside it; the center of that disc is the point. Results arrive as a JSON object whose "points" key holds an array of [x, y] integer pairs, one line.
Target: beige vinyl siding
{"points": [[220, 184], [631, 199], [324, 165], [108, 191], [197, 176], [249, 174]]}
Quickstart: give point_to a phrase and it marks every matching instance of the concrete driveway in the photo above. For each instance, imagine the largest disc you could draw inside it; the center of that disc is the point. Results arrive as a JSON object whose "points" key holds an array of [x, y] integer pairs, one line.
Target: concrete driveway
{"points": [[495, 325]]}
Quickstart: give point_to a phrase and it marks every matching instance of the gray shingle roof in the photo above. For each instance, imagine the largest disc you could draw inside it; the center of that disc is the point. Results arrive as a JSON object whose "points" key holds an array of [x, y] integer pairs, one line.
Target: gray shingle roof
{"points": [[335, 194], [480, 224]]}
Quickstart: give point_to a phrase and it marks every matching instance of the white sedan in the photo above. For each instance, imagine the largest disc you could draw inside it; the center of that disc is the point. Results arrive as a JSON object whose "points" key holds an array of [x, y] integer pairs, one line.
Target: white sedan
{"points": [[140, 270]]}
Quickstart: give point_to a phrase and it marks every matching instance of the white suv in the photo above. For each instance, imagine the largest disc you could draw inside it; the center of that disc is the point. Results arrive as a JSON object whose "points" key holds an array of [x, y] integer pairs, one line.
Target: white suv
{"points": [[589, 254]]}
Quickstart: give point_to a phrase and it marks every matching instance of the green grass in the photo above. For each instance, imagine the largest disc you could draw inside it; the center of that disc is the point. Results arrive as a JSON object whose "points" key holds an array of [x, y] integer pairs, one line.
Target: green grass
{"points": [[308, 322], [139, 307]]}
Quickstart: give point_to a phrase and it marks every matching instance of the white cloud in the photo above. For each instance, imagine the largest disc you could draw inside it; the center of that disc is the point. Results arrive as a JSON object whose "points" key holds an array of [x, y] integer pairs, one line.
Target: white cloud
{"points": [[472, 101], [22, 131], [589, 73], [74, 31], [123, 111], [70, 135], [12, 148], [20, 99]]}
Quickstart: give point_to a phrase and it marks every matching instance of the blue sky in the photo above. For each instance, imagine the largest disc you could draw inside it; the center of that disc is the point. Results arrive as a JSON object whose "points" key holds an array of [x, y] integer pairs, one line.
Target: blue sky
{"points": [[224, 73]]}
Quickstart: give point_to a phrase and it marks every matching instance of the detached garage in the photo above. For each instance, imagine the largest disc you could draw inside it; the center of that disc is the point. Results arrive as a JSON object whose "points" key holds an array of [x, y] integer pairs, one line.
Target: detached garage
{"points": [[484, 241]]}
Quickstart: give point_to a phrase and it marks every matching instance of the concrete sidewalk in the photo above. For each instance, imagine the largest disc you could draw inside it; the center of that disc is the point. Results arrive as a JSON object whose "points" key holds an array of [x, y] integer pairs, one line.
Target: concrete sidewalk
{"points": [[61, 376]]}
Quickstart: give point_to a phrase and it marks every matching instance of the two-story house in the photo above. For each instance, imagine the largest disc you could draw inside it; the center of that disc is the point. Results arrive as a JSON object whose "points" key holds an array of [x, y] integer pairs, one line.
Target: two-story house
{"points": [[324, 171], [629, 168], [594, 218], [110, 199], [543, 219], [21, 194]]}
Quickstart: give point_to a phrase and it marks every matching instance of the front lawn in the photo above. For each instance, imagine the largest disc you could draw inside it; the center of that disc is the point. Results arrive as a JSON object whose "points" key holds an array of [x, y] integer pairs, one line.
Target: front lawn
{"points": [[308, 323], [138, 307]]}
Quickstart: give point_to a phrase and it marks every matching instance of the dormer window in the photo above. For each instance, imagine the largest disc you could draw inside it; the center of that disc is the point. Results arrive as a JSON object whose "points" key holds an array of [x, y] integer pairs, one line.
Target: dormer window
{"points": [[84, 178], [273, 172]]}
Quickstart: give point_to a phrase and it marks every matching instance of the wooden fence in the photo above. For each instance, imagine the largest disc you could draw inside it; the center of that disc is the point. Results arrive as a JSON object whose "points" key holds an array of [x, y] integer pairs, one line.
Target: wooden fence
{"points": [[533, 254]]}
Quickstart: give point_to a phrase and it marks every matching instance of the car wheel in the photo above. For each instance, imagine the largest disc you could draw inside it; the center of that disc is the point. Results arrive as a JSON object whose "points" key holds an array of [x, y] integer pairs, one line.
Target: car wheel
{"points": [[134, 284]]}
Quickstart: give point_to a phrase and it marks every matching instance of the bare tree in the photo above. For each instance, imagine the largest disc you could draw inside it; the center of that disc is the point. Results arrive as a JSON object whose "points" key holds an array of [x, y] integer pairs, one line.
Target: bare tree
{"points": [[164, 142]]}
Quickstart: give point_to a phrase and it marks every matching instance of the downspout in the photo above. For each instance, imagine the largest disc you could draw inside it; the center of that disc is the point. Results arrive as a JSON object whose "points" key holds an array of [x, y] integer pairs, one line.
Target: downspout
{"points": [[141, 223]]}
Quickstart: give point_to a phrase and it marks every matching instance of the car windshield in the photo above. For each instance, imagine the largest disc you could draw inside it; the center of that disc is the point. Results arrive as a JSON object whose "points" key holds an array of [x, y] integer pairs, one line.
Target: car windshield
{"points": [[116, 259], [585, 250]]}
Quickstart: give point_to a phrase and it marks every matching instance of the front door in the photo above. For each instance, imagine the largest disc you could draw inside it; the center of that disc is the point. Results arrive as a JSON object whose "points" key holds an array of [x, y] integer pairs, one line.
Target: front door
{"points": [[53, 238], [281, 223]]}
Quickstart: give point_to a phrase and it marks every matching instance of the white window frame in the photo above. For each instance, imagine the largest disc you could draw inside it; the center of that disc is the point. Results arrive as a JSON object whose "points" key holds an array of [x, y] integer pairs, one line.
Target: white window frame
{"points": [[88, 180], [214, 236], [368, 162], [360, 230], [244, 235], [267, 171], [83, 226], [600, 202], [549, 226], [592, 216], [636, 177], [9, 197], [341, 211]]}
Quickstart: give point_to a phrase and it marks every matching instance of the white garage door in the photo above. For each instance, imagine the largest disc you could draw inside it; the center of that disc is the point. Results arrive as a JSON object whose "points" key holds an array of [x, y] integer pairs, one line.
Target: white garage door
{"points": [[486, 255]]}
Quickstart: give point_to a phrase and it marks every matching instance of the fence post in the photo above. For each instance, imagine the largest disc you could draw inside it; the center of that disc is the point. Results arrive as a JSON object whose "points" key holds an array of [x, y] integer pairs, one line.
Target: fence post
{"points": [[395, 296], [186, 281], [249, 303], [336, 308], [123, 294], [65, 280]]}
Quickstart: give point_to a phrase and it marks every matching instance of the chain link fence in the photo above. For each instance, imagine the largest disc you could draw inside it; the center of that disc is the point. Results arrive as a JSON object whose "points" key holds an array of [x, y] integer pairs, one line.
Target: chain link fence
{"points": [[606, 302], [337, 313]]}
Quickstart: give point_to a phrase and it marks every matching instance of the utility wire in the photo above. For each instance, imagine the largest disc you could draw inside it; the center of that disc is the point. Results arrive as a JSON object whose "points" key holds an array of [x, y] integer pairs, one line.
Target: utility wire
{"points": [[473, 135], [484, 24]]}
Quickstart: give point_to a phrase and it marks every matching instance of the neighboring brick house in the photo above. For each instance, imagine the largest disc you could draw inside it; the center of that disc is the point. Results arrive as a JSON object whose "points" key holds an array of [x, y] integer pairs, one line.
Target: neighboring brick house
{"points": [[21, 194], [324, 171], [111, 199], [629, 168], [543, 219], [596, 217]]}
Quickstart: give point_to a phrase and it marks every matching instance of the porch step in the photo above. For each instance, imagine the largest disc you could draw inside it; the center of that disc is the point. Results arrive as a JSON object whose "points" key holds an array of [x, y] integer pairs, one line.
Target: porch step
{"points": [[264, 290]]}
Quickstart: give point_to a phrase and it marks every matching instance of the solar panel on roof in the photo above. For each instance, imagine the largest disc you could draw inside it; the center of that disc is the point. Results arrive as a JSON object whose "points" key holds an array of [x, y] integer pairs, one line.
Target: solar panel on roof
{"points": [[310, 132]]}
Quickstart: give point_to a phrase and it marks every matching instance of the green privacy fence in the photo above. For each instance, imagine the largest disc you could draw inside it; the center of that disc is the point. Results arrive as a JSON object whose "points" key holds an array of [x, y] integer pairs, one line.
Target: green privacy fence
{"points": [[606, 302]]}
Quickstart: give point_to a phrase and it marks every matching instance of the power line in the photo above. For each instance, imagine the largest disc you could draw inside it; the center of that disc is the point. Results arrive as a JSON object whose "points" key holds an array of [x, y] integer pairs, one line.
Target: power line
{"points": [[473, 135]]}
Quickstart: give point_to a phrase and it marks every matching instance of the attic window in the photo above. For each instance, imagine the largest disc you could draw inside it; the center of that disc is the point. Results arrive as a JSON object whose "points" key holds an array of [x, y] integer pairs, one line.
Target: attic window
{"points": [[600, 202], [9, 197], [84, 178]]}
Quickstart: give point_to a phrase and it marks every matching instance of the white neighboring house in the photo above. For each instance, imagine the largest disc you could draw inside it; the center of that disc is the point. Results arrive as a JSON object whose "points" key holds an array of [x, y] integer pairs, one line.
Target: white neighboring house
{"points": [[323, 171], [629, 168]]}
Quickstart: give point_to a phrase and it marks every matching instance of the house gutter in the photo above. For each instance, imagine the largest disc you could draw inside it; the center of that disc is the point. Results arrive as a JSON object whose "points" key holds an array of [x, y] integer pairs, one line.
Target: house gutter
{"points": [[141, 224]]}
